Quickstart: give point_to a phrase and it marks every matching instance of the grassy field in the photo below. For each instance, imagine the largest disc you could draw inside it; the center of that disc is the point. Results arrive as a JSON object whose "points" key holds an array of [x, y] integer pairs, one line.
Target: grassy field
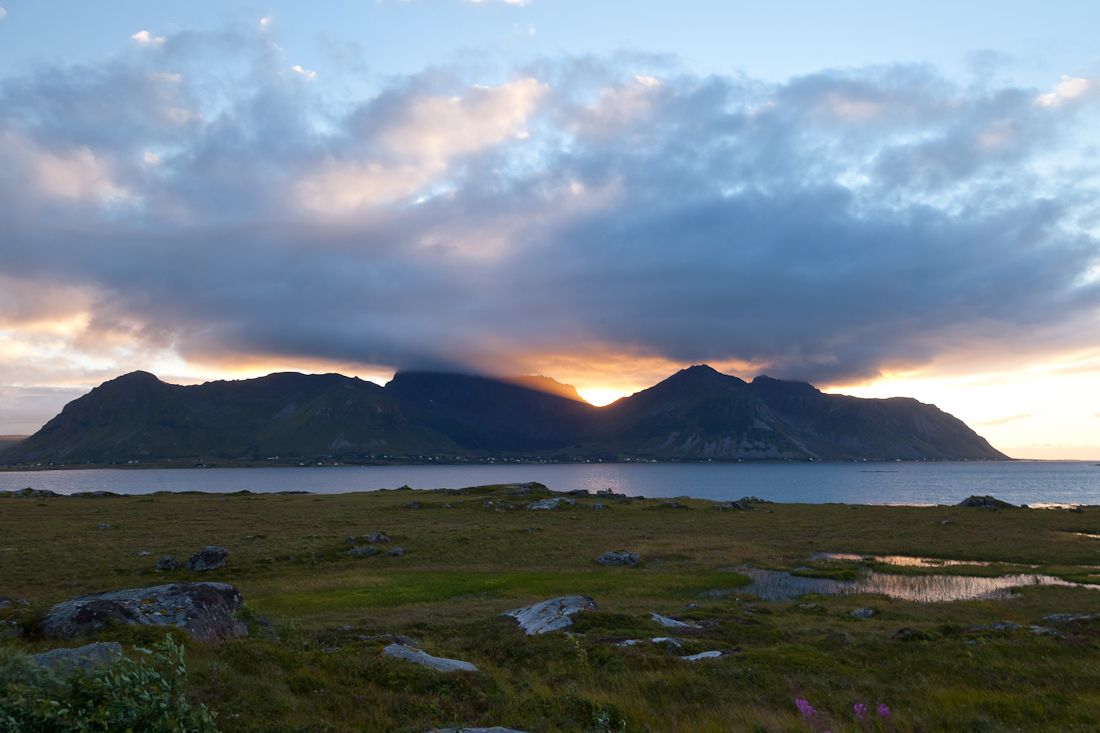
{"points": [[484, 554]]}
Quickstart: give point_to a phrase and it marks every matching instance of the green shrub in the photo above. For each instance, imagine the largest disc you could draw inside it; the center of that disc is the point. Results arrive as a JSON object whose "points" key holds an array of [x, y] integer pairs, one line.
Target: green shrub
{"points": [[124, 696]]}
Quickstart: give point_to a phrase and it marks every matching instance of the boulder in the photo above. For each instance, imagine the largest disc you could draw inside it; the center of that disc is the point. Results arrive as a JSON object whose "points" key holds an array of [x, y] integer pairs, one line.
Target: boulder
{"points": [[100, 654], [862, 613], [29, 493], [985, 502], [361, 551], [599, 506], [6, 602], [375, 537], [167, 562], [421, 657], [209, 558], [551, 615], [395, 552], [206, 611], [629, 559]]}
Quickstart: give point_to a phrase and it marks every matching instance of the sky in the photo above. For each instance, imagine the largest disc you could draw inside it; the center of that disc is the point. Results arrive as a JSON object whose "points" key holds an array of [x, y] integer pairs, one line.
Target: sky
{"points": [[882, 199]]}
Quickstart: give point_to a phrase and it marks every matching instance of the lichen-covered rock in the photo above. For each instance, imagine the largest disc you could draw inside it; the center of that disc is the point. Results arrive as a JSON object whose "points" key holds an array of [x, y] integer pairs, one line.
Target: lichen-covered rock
{"points": [[551, 615], [421, 657], [100, 654], [395, 552], [206, 611], [628, 559], [671, 622], [209, 558], [362, 551]]}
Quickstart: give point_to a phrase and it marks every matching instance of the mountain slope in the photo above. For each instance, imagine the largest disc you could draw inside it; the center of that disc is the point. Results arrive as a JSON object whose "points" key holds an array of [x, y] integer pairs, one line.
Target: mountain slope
{"points": [[697, 413]]}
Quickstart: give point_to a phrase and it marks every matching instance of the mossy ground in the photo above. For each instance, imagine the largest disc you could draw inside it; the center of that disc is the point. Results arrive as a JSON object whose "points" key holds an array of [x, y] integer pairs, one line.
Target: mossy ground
{"points": [[465, 564]]}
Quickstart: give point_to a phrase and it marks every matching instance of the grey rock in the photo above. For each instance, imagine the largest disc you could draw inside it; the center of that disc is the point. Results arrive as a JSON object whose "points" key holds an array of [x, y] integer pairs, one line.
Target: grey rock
{"points": [[999, 626], [141, 554], [6, 602], [599, 506], [544, 504], [421, 657], [985, 502], [349, 540], [1044, 631], [578, 492], [862, 613], [1070, 618], [494, 729], [702, 655], [666, 640], [689, 606], [668, 505], [167, 562], [671, 622], [103, 526], [411, 504], [629, 559], [209, 558], [551, 615], [395, 552], [361, 551], [206, 611], [29, 493], [100, 654], [374, 537]]}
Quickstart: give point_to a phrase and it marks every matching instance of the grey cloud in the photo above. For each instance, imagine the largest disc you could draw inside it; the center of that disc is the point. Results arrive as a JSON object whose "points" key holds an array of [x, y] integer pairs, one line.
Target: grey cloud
{"points": [[833, 226]]}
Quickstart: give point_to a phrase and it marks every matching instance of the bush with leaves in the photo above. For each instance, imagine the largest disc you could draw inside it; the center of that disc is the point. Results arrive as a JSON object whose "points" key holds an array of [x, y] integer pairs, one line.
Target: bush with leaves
{"points": [[124, 696]]}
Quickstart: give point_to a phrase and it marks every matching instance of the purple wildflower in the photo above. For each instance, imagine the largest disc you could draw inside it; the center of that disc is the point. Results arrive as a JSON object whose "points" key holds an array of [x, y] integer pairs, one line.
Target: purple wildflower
{"points": [[883, 711], [861, 711], [805, 707]]}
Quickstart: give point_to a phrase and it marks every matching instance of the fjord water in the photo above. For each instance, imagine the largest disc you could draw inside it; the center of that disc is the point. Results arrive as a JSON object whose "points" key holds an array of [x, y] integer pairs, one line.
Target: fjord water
{"points": [[931, 482]]}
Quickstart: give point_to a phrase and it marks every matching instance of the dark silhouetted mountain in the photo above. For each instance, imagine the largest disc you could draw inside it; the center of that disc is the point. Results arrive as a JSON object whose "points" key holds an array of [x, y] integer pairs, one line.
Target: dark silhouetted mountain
{"points": [[695, 414]]}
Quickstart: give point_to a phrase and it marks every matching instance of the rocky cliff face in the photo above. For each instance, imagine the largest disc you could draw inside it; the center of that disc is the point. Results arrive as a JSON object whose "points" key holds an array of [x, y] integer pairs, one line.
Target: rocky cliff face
{"points": [[698, 413]]}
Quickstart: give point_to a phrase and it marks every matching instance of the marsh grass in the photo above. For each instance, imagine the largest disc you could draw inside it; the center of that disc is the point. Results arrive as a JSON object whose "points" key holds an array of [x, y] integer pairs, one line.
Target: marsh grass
{"points": [[465, 564]]}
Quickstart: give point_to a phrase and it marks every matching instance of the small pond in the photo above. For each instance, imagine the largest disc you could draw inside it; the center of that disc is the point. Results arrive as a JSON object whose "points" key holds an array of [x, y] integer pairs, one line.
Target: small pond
{"points": [[776, 585]]}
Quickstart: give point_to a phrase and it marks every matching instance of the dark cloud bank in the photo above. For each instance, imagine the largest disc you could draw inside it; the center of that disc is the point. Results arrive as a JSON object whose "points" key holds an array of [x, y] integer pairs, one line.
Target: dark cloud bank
{"points": [[202, 197]]}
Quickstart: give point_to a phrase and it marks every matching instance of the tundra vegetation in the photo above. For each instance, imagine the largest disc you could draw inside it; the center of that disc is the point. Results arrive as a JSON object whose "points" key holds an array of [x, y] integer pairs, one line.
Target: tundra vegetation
{"points": [[472, 554]]}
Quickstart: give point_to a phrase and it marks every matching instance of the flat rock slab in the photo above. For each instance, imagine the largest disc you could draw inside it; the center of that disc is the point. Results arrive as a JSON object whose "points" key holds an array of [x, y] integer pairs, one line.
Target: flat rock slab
{"points": [[85, 657], [702, 655], [421, 657], [206, 611], [671, 622], [551, 615]]}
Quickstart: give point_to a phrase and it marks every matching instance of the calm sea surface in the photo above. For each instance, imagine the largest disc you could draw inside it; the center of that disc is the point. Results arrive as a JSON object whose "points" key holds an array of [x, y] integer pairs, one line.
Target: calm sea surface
{"points": [[1018, 482]]}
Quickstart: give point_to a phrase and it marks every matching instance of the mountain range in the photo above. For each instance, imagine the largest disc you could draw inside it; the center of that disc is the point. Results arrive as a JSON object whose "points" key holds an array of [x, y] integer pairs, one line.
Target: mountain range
{"points": [[696, 414]]}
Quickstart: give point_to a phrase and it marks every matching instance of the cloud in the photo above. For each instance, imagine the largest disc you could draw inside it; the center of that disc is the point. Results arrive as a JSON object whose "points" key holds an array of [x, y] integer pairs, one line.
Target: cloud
{"points": [[1004, 420], [1069, 88], [579, 213], [146, 39], [3, 13]]}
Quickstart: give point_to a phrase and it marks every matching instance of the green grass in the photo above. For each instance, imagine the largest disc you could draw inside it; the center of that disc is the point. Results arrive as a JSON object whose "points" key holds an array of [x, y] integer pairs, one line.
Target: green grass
{"points": [[465, 565]]}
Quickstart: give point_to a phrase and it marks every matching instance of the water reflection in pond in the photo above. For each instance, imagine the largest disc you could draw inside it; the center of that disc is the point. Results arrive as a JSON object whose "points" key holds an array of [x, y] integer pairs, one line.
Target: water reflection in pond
{"points": [[902, 561], [774, 585]]}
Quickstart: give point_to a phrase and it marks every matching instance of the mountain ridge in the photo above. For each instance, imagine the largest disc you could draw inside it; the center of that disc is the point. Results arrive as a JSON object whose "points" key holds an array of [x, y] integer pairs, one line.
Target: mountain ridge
{"points": [[696, 414]]}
